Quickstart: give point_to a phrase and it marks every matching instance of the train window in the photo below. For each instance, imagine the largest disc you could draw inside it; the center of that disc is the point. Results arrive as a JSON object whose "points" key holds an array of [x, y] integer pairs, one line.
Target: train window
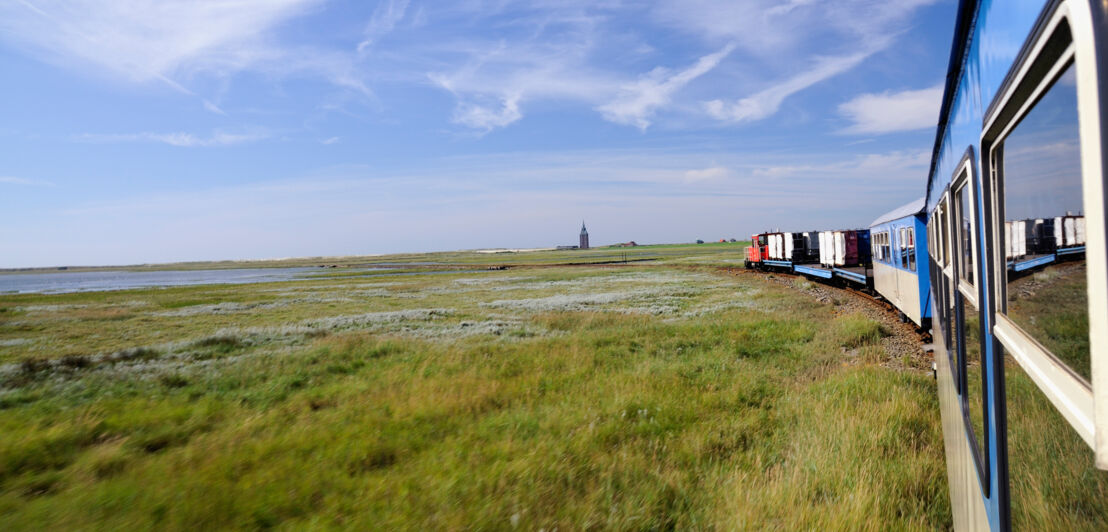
{"points": [[963, 207], [1053, 482], [944, 233], [911, 233], [974, 397], [948, 295], [903, 245], [882, 246], [946, 284], [1040, 180], [931, 237]]}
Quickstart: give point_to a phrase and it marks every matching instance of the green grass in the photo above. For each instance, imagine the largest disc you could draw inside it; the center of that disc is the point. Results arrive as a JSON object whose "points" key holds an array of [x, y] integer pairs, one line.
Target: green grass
{"points": [[1054, 485], [570, 398], [1052, 306]]}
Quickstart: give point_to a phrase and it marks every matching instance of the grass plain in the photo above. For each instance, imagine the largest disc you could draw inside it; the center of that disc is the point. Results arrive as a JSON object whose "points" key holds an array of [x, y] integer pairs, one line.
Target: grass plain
{"points": [[661, 395]]}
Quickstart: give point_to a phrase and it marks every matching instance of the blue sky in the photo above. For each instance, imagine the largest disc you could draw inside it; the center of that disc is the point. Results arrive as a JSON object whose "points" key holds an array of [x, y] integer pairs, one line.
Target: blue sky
{"points": [[141, 131]]}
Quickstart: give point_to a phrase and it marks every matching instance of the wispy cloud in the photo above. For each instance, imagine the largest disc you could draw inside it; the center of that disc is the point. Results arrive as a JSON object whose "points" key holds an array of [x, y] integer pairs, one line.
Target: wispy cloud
{"points": [[148, 40], [889, 112], [387, 15], [180, 139], [767, 101], [813, 41], [706, 174], [7, 180], [892, 167], [174, 41], [637, 101]]}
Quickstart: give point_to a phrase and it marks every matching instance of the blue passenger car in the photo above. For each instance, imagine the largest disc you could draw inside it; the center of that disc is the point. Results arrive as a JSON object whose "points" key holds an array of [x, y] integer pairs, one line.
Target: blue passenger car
{"points": [[899, 254], [1021, 341]]}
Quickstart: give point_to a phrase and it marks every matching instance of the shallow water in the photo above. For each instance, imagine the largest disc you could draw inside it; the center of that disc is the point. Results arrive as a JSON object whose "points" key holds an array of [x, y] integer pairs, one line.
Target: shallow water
{"points": [[62, 282]]}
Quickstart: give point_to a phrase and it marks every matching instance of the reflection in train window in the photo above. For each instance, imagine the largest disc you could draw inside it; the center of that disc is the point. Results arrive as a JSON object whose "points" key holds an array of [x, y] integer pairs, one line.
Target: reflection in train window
{"points": [[955, 333], [1054, 484], [902, 243], [1044, 226], [975, 387], [944, 233], [964, 215], [911, 233]]}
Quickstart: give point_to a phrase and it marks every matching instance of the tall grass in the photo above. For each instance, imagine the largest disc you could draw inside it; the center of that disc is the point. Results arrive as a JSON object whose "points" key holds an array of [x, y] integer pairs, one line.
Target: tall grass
{"points": [[739, 418]]}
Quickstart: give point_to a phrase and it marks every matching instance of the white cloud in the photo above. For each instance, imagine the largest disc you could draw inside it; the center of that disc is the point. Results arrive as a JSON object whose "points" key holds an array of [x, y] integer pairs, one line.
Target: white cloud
{"points": [[891, 167], [637, 101], [817, 39], [705, 174], [488, 117], [173, 41], [213, 108], [180, 139], [147, 40], [767, 101], [387, 15], [329, 141], [889, 112], [25, 182]]}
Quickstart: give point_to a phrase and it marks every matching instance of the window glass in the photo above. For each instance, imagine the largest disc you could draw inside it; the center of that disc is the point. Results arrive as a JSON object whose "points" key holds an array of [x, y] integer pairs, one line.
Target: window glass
{"points": [[962, 199], [975, 387], [1040, 170], [1053, 481], [944, 235], [903, 248], [954, 330], [912, 248]]}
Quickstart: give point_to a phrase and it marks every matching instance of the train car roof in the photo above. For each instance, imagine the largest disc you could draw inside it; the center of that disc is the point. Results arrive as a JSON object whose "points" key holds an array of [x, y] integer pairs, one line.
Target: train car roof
{"points": [[908, 209]]}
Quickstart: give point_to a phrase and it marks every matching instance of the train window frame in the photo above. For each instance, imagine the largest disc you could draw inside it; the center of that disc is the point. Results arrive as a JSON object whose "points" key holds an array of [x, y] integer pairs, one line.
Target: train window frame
{"points": [[946, 274], [911, 233], [949, 295], [964, 183], [1083, 405]]}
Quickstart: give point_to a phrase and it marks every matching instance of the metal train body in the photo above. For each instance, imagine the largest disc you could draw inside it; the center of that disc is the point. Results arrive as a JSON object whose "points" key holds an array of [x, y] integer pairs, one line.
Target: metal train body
{"points": [[1015, 215], [900, 258], [1007, 256]]}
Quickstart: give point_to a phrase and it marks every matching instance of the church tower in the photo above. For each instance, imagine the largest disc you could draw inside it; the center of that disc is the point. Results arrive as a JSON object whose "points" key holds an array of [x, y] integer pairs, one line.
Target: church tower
{"points": [[584, 237]]}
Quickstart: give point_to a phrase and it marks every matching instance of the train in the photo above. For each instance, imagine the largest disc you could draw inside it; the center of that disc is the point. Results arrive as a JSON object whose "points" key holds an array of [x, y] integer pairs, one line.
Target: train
{"points": [[1004, 262]]}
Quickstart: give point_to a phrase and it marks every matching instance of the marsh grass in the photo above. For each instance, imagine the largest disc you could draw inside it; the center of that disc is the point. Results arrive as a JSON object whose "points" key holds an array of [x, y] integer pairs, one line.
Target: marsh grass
{"points": [[856, 330], [398, 416]]}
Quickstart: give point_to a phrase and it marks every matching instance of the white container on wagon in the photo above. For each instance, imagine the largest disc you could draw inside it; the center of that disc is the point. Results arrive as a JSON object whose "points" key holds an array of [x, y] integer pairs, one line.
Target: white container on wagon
{"points": [[826, 253], [789, 247]]}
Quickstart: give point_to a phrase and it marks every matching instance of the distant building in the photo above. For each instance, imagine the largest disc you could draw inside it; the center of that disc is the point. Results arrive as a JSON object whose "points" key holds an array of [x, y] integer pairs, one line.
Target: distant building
{"points": [[584, 237]]}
